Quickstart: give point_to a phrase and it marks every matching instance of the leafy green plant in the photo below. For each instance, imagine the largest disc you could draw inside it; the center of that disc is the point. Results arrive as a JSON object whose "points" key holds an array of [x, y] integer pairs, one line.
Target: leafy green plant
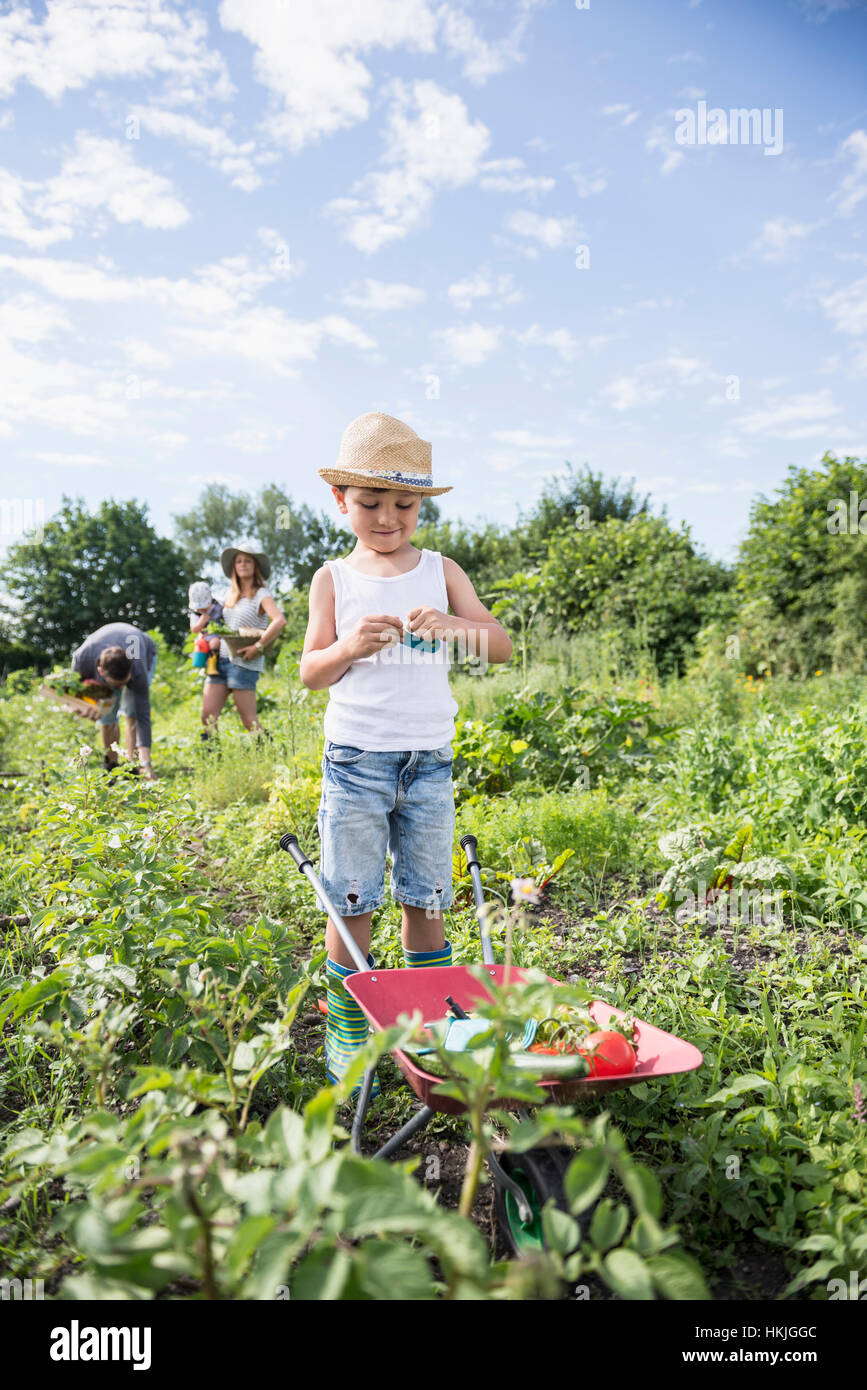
{"points": [[704, 871]]}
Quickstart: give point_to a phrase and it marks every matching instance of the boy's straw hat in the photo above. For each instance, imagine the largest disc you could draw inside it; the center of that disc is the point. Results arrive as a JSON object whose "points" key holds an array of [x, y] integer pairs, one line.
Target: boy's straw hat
{"points": [[379, 451], [244, 547]]}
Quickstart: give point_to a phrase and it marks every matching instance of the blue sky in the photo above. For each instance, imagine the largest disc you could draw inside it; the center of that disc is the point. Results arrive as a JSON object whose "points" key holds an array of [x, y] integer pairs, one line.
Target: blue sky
{"points": [[227, 229]]}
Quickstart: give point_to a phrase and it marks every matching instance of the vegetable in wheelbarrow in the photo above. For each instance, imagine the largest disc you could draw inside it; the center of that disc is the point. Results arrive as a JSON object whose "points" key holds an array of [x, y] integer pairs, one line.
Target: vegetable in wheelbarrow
{"points": [[436, 1041], [569, 1030]]}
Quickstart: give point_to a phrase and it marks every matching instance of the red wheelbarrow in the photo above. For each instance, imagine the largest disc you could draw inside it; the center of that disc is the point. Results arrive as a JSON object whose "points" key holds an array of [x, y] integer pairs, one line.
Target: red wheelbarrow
{"points": [[523, 1182]]}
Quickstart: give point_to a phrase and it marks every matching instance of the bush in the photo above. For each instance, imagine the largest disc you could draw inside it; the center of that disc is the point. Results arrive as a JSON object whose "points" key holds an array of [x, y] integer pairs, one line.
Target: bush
{"points": [[638, 576], [806, 572]]}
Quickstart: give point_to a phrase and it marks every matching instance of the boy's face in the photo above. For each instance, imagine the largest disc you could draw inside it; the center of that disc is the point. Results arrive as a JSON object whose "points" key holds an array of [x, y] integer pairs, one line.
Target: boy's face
{"points": [[383, 518]]}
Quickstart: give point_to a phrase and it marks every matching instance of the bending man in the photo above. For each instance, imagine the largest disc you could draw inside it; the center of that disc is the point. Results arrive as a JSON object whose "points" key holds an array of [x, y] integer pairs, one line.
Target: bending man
{"points": [[125, 659]]}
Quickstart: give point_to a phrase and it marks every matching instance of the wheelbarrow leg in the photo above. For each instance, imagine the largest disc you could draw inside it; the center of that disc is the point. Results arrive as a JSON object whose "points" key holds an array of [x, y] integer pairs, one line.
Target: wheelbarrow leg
{"points": [[361, 1108], [502, 1179], [421, 1118]]}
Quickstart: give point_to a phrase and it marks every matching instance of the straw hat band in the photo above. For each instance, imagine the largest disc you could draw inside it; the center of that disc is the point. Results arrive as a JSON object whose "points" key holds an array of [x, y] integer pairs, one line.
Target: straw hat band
{"points": [[393, 475]]}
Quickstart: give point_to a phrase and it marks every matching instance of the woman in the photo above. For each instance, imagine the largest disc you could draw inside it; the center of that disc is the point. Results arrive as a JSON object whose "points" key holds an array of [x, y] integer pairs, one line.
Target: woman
{"points": [[247, 604]]}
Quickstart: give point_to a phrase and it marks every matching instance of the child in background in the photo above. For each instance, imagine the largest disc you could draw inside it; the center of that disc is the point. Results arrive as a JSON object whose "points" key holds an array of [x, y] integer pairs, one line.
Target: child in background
{"points": [[205, 609], [377, 639]]}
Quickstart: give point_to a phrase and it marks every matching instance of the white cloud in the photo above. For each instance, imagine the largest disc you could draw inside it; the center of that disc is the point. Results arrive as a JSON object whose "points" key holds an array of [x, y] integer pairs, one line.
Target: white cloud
{"points": [[847, 307], [854, 186], [62, 460], [799, 417], [15, 220], [254, 440], [266, 336], [497, 290], [730, 447], [217, 289], [668, 302], [778, 234], [481, 58], [308, 55], [143, 354], [659, 140], [665, 377], [561, 339], [74, 43], [588, 185], [627, 113], [97, 176], [688, 57], [469, 345], [534, 445], [377, 296], [549, 232], [60, 395], [341, 330], [236, 161], [510, 176], [431, 144], [26, 319], [236, 482], [167, 442]]}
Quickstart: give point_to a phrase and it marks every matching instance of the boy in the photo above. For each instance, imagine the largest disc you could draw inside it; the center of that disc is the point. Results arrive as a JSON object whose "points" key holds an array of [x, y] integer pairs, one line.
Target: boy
{"points": [[377, 639], [205, 609]]}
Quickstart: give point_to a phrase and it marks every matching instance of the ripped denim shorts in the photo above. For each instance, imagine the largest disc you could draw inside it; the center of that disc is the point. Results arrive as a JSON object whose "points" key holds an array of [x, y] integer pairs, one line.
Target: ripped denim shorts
{"points": [[378, 802]]}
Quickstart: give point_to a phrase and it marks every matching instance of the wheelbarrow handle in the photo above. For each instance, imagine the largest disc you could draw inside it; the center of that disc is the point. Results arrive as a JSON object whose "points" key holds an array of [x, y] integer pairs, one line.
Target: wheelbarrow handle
{"points": [[290, 843], [470, 848]]}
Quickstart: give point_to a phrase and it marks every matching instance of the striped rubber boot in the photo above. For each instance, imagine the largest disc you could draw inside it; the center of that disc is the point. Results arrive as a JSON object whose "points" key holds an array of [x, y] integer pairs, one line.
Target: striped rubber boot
{"points": [[346, 1029], [419, 960]]}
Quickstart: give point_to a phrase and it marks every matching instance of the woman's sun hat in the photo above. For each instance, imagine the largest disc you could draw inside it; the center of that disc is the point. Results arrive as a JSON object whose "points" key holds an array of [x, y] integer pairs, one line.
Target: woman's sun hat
{"points": [[244, 547], [379, 451]]}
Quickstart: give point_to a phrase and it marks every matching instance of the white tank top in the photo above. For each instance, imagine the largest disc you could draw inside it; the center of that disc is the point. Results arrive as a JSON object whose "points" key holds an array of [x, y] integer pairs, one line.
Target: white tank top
{"points": [[398, 699]]}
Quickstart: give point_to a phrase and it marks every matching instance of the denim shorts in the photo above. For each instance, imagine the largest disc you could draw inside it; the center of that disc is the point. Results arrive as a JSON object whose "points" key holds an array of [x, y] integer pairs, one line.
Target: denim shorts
{"points": [[122, 702], [235, 677], [374, 802]]}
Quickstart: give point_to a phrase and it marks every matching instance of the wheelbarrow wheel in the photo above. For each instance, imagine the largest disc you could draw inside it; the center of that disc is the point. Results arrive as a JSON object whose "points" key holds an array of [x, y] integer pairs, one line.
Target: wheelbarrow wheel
{"points": [[539, 1173]]}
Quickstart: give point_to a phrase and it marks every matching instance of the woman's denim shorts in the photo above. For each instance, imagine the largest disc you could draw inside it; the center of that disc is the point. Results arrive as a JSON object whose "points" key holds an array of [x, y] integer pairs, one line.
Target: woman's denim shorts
{"points": [[235, 677], [373, 803]]}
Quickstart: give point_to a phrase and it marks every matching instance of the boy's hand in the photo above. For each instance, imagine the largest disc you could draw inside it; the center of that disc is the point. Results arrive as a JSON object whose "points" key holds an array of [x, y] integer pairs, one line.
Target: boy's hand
{"points": [[428, 623], [375, 631]]}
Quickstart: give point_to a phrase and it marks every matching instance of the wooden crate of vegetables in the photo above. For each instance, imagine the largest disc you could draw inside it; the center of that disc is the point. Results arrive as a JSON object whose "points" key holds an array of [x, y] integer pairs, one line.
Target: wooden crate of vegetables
{"points": [[79, 696], [236, 641]]}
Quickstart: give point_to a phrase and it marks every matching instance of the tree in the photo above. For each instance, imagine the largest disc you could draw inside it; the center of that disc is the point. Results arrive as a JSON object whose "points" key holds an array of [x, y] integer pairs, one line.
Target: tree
{"points": [[88, 570], [295, 538], [804, 565], [14, 655], [581, 498], [486, 552], [640, 575], [219, 517]]}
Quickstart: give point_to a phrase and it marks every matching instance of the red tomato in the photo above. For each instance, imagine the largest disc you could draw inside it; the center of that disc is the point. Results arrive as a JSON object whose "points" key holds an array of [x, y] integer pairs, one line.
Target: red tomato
{"points": [[608, 1054]]}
